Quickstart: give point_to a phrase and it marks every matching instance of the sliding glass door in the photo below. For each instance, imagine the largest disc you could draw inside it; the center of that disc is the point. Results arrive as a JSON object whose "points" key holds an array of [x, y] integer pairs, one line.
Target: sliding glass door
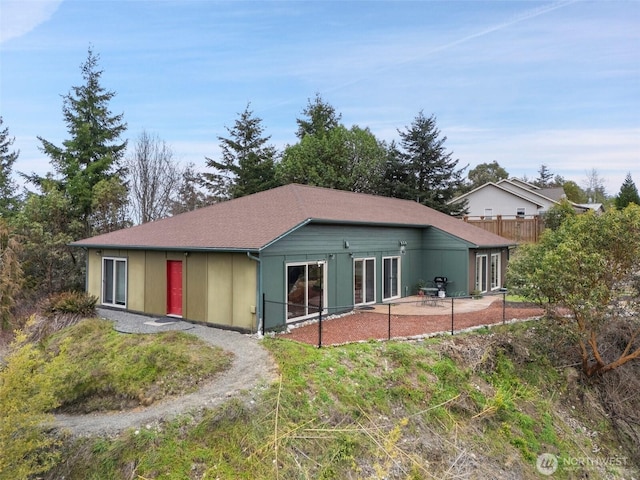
{"points": [[390, 278], [364, 281], [114, 281]]}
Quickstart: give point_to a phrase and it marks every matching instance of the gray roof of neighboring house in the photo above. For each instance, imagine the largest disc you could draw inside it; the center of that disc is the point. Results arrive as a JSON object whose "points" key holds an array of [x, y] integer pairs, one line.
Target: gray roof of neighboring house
{"points": [[554, 193], [519, 189], [253, 222]]}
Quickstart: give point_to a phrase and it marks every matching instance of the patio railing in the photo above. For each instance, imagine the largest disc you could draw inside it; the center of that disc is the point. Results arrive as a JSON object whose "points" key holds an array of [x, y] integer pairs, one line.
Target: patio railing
{"points": [[320, 315]]}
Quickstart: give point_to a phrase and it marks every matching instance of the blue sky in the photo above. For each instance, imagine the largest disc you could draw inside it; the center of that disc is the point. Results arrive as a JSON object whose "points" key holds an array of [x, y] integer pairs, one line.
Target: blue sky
{"points": [[522, 83]]}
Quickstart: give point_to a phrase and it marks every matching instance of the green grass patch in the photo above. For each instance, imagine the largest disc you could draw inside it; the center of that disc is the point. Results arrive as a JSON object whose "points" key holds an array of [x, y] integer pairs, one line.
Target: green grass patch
{"points": [[367, 410], [107, 370]]}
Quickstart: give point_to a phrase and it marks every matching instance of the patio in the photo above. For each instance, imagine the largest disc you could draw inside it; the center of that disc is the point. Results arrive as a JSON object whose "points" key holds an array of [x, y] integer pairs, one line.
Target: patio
{"points": [[416, 305], [409, 318]]}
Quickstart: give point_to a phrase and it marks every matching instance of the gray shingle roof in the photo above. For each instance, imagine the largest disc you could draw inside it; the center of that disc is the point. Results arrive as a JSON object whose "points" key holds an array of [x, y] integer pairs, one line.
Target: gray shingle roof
{"points": [[253, 222]]}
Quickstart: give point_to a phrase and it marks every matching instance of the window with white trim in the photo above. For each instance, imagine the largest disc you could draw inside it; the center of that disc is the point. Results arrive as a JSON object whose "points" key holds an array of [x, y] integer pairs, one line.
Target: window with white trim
{"points": [[306, 289], [390, 278], [488, 213], [114, 281], [495, 271], [520, 212]]}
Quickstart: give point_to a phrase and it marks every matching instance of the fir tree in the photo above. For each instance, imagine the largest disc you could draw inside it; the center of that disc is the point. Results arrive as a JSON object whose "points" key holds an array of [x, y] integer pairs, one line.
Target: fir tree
{"points": [[8, 199], [93, 152], [433, 177], [248, 162], [628, 193]]}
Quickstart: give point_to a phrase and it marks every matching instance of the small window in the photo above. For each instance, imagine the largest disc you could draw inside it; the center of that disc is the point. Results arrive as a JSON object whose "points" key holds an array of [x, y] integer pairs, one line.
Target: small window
{"points": [[520, 212], [488, 213]]}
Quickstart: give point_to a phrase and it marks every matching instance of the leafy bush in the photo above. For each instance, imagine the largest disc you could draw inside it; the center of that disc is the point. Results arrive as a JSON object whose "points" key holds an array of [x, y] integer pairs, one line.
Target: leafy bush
{"points": [[79, 303], [26, 450]]}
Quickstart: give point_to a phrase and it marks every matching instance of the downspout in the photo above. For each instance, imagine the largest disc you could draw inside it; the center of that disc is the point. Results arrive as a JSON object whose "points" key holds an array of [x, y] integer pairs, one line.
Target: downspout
{"points": [[258, 291]]}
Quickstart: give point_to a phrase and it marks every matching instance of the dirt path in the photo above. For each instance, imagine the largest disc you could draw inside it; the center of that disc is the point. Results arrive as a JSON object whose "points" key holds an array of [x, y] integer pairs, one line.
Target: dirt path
{"points": [[253, 367], [252, 371]]}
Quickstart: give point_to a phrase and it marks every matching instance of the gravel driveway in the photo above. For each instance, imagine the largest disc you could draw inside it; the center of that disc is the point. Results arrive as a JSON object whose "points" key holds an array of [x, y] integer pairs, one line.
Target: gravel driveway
{"points": [[251, 371]]}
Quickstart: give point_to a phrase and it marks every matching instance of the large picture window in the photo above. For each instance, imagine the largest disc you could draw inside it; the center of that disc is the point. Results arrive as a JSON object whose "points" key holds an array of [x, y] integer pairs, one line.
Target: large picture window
{"points": [[306, 289], [390, 278], [364, 281], [114, 282], [495, 271]]}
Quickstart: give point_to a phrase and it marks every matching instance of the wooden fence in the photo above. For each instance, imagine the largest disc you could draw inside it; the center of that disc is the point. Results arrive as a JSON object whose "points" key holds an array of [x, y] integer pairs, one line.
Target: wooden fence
{"points": [[520, 229]]}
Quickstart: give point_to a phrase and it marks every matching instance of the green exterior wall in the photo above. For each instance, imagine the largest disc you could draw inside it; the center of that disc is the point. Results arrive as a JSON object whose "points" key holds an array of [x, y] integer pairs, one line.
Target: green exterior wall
{"points": [[422, 256], [445, 256]]}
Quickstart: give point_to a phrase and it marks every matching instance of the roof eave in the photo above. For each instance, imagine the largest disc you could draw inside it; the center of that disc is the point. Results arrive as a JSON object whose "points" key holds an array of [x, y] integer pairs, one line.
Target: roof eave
{"points": [[167, 248], [366, 223]]}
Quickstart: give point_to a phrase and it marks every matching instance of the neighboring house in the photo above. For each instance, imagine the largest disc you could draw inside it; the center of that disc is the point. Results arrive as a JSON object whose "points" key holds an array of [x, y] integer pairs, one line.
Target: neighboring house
{"points": [[299, 246], [514, 198]]}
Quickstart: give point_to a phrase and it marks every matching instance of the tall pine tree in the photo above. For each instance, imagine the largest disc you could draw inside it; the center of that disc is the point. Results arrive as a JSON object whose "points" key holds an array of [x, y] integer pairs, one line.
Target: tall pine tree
{"points": [[432, 177], [94, 151], [248, 162], [8, 198]]}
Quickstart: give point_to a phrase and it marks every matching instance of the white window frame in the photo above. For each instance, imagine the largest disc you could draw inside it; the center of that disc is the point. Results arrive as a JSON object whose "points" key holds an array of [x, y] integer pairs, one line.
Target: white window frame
{"points": [[521, 212], [495, 271], [398, 258], [481, 272], [307, 314], [488, 213], [114, 287], [364, 261]]}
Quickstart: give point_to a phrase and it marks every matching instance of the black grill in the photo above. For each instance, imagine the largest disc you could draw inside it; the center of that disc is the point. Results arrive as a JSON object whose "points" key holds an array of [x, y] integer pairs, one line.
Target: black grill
{"points": [[440, 283]]}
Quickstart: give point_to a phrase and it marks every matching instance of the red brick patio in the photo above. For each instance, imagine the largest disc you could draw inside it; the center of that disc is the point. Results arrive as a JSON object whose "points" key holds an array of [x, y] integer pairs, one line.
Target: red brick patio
{"points": [[409, 318]]}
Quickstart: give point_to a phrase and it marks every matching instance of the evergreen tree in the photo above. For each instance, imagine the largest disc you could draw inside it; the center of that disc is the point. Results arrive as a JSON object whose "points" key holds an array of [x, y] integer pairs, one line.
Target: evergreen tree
{"points": [[331, 155], [8, 199], [628, 193], [544, 177], [432, 176], [93, 152], [46, 228], [190, 196], [11, 277], [395, 179], [320, 118], [248, 162]]}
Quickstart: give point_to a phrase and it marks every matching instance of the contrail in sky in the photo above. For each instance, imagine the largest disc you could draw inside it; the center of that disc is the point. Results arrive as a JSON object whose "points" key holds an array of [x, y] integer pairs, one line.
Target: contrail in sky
{"points": [[527, 15]]}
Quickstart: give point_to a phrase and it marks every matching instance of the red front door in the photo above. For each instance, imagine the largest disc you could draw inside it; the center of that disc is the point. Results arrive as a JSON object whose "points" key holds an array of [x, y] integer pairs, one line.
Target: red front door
{"points": [[174, 287]]}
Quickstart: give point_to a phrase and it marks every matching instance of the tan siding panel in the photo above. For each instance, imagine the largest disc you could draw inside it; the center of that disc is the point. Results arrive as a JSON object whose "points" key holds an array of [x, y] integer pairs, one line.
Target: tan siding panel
{"points": [[94, 282], [155, 293], [244, 292], [219, 274], [135, 280], [196, 287]]}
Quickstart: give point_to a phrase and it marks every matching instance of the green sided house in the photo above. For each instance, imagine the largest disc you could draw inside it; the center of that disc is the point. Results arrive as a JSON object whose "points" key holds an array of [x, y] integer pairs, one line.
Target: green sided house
{"points": [[299, 246]]}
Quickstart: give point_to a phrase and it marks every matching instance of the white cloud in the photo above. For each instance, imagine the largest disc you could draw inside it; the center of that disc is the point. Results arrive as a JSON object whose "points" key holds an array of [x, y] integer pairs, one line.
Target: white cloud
{"points": [[20, 17]]}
